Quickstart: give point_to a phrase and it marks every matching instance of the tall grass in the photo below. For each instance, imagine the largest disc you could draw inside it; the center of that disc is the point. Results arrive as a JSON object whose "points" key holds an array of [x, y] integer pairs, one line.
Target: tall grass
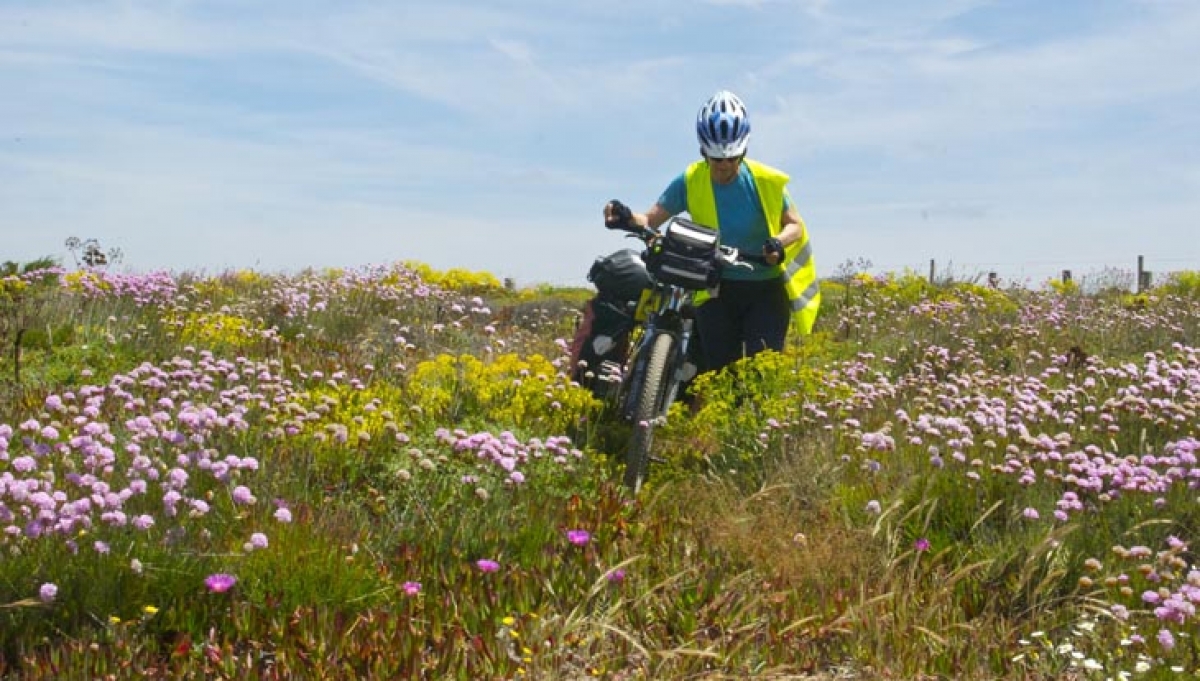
{"points": [[385, 473]]}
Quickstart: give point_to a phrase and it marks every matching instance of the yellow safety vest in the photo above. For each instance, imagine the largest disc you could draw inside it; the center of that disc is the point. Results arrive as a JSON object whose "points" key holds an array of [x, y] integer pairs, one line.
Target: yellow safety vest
{"points": [[797, 267]]}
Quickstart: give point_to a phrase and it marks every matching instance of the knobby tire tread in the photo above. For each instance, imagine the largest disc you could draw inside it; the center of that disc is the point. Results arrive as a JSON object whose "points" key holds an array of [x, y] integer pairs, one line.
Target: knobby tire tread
{"points": [[649, 400]]}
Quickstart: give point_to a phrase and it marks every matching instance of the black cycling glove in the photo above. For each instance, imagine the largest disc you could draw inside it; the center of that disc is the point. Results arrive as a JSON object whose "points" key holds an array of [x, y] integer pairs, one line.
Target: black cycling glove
{"points": [[619, 216], [773, 246]]}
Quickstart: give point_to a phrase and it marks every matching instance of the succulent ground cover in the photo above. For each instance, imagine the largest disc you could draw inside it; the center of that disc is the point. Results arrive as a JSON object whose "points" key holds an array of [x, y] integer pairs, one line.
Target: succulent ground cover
{"points": [[386, 473]]}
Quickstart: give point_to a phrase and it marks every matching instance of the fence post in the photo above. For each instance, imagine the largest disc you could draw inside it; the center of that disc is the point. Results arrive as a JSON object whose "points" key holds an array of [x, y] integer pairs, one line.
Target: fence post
{"points": [[1141, 274], [1066, 276], [931, 270]]}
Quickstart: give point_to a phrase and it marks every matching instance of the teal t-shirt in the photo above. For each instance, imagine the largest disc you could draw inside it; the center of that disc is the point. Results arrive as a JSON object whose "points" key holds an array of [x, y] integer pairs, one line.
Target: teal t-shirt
{"points": [[740, 214]]}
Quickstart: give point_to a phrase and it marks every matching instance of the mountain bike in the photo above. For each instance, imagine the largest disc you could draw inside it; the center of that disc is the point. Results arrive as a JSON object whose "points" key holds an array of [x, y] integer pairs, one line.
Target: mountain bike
{"points": [[682, 261]]}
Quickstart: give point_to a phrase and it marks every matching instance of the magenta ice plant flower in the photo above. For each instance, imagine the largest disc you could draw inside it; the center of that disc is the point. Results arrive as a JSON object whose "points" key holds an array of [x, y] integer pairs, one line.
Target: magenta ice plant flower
{"points": [[921, 545], [487, 565], [219, 582], [411, 588], [578, 537]]}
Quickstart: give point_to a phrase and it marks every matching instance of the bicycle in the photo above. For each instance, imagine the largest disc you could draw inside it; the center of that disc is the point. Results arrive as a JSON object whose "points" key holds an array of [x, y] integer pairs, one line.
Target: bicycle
{"points": [[685, 260]]}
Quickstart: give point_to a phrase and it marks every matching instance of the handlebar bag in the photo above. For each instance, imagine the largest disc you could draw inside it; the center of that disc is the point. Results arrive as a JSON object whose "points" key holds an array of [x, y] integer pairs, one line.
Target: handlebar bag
{"points": [[686, 256], [620, 276]]}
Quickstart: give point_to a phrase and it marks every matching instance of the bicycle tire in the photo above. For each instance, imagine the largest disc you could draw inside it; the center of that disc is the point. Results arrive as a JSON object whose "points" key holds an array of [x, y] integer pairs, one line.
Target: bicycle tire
{"points": [[649, 400]]}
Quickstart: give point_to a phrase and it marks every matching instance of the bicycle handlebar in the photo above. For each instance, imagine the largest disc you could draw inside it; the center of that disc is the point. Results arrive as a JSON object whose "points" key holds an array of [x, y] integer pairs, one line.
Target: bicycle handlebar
{"points": [[732, 256], [728, 255]]}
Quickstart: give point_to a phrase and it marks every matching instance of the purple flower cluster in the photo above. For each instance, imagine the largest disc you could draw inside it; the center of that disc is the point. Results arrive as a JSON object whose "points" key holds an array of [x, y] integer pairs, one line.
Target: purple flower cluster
{"points": [[148, 289], [1035, 426], [397, 283], [506, 454], [155, 432]]}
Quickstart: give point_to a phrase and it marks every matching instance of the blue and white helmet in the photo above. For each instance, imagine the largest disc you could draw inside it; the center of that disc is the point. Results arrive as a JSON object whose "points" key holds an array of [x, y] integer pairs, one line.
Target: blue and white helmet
{"points": [[723, 126]]}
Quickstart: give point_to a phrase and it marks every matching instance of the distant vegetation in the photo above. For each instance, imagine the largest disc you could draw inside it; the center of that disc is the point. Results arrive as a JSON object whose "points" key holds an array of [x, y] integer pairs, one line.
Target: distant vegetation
{"points": [[385, 473]]}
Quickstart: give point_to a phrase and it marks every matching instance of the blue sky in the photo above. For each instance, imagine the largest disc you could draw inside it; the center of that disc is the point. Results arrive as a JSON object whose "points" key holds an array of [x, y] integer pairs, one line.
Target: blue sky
{"points": [[1019, 136]]}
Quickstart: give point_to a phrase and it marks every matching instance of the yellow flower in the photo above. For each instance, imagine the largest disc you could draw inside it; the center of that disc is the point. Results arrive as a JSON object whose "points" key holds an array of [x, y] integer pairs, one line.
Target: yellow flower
{"points": [[508, 621], [150, 610], [113, 619]]}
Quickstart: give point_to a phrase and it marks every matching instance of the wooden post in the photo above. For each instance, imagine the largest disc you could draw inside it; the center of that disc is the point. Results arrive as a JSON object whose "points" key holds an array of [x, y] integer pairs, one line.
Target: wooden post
{"points": [[1141, 273], [1066, 276], [931, 270]]}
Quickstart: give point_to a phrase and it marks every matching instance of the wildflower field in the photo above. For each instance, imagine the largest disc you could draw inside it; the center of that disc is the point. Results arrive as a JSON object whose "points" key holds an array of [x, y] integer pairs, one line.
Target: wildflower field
{"points": [[385, 473]]}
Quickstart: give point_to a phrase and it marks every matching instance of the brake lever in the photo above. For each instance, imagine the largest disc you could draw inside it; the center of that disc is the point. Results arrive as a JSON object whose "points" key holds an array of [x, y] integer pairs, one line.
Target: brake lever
{"points": [[643, 234], [732, 256]]}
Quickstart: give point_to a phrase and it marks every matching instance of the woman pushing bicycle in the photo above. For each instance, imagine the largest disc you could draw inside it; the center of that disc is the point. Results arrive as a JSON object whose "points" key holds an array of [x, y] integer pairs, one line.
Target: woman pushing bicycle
{"points": [[749, 203]]}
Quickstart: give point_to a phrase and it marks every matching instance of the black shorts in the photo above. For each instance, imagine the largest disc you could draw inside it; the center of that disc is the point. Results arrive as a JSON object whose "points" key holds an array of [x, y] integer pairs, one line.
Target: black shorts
{"points": [[746, 317]]}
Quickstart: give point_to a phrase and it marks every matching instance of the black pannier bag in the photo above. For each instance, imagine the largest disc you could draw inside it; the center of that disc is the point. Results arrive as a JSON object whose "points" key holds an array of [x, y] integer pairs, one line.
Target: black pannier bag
{"points": [[686, 256], [601, 343], [620, 276]]}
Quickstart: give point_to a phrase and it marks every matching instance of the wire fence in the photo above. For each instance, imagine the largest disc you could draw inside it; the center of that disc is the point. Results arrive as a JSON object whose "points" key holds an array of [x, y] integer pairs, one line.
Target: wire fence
{"points": [[1135, 273]]}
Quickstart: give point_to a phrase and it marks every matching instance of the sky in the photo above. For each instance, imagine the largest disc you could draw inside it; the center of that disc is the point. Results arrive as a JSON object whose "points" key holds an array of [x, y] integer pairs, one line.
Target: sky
{"points": [[1023, 137]]}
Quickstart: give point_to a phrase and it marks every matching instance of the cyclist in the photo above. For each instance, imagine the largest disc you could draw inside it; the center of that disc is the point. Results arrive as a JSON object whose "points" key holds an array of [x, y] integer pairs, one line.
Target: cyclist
{"points": [[749, 203]]}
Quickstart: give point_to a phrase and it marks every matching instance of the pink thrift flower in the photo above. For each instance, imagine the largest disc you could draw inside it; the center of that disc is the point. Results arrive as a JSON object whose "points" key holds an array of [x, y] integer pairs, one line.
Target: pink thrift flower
{"points": [[921, 545], [48, 592], [411, 588], [242, 495], [486, 565], [578, 537]]}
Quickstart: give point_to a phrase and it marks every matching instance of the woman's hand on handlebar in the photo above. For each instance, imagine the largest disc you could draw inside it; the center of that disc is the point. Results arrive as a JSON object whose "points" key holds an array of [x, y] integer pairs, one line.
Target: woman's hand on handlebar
{"points": [[772, 251], [618, 216]]}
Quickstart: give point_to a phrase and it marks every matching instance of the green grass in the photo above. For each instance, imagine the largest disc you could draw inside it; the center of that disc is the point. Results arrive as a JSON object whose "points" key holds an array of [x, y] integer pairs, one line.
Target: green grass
{"points": [[861, 504]]}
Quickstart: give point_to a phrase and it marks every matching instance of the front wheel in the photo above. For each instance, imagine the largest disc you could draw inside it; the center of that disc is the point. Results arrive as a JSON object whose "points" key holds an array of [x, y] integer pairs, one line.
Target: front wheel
{"points": [[647, 407]]}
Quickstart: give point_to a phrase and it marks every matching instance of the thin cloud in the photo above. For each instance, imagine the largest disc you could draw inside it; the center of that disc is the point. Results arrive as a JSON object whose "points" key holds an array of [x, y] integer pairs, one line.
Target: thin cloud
{"points": [[896, 92], [293, 133]]}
